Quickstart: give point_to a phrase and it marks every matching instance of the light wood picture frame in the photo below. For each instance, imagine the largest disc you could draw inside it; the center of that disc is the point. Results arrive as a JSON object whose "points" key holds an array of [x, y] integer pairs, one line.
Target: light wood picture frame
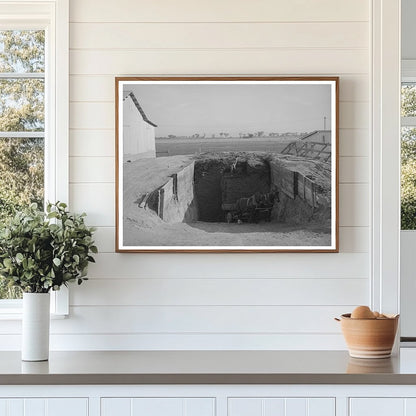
{"points": [[227, 164]]}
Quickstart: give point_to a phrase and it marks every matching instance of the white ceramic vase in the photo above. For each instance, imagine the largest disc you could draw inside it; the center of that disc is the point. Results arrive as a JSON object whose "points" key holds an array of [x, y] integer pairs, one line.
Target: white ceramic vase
{"points": [[35, 326]]}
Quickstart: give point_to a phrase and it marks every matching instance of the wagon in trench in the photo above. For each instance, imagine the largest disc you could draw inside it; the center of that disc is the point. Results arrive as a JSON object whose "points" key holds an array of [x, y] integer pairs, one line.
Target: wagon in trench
{"points": [[251, 209]]}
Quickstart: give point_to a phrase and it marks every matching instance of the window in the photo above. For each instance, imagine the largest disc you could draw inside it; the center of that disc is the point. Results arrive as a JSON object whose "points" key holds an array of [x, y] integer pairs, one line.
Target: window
{"points": [[408, 154], [33, 112], [22, 124]]}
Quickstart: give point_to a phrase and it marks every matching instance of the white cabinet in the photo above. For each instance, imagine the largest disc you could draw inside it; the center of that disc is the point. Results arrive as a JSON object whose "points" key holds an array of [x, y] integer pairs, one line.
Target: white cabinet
{"points": [[157, 406], [44, 407], [383, 406], [281, 407]]}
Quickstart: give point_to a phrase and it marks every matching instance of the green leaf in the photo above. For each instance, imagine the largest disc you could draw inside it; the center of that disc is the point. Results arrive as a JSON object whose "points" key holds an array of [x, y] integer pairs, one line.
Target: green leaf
{"points": [[56, 261]]}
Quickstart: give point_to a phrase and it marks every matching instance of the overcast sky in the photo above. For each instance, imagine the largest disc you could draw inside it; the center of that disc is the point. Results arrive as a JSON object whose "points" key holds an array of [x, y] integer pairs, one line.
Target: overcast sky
{"points": [[183, 110]]}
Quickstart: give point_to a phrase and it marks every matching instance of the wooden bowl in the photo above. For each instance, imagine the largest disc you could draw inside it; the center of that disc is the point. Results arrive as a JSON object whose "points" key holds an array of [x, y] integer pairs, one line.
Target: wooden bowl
{"points": [[369, 338]]}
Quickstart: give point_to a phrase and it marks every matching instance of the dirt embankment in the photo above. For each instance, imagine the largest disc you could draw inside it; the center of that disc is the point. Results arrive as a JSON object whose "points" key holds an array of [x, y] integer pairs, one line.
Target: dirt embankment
{"points": [[294, 222]]}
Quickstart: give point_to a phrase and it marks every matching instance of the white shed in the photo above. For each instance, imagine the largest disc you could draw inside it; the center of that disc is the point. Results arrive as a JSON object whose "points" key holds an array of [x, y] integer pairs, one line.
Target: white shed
{"points": [[138, 130]]}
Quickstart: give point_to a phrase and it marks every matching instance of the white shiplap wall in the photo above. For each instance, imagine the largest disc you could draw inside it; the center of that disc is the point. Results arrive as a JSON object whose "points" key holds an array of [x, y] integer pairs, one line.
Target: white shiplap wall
{"points": [[221, 301]]}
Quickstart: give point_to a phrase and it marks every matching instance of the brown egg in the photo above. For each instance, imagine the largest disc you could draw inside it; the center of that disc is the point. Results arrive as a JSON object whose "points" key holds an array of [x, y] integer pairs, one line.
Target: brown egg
{"points": [[362, 312]]}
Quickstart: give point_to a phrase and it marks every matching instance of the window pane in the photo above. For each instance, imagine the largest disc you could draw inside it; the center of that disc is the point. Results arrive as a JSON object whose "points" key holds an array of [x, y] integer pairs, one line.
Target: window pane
{"points": [[22, 51], [21, 173], [408, 178], [22, 105]]}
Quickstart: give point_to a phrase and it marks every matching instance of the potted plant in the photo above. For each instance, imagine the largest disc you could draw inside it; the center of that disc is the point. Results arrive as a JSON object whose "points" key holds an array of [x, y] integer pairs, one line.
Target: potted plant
{"points": [[40, 252]]}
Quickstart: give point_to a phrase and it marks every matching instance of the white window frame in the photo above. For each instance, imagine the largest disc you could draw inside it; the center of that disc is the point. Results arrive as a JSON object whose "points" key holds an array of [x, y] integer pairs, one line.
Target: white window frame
{"points": [[385, 115], [53, 17]]}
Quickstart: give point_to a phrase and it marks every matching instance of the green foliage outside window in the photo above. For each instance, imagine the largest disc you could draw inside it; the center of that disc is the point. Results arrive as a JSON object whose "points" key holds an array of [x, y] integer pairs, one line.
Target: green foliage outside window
{"points": [[408, 160], [408, 179], [21, 110]]}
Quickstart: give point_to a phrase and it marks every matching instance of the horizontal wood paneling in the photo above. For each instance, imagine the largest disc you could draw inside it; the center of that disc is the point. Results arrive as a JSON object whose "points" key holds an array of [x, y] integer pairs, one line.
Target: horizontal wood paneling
{"points": [[194, 320], [354, 142], [218, 35], [98, 88], [354, 239], [216, 291], [236, 61], [200, 319], [353, 170], [91, 169], [354, 205], [104, 238], [219, 11], [94, 143], [96, 199], [354, 115], [146, 342], [229, 266], [270, 301]]}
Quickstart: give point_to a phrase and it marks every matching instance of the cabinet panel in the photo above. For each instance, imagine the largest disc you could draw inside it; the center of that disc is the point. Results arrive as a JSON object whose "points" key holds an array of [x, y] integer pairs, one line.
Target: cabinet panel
{"points": [[378, 407], [44, 407], [3, 407], [410, 407], [34, 407], [321, 407], [157, 406], [67, 407], [296, 407], [199, 407], [15, 407], [281, 407], [245, 407], [113, 406], [275, 407]]}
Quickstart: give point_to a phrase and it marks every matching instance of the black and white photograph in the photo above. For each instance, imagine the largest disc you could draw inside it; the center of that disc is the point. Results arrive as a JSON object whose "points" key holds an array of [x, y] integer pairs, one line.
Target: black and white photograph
{"points": [[227, 164]]}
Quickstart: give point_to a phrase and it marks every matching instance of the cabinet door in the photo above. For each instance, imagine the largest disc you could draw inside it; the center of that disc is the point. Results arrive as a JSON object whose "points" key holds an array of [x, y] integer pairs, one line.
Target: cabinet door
{"points": [[44, 407], [392, 406], [155, 406], [281, 406]]}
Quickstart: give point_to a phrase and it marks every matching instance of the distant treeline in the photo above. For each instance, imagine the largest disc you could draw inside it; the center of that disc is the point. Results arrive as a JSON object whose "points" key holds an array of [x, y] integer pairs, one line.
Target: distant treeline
{"points": [[224, 135]]}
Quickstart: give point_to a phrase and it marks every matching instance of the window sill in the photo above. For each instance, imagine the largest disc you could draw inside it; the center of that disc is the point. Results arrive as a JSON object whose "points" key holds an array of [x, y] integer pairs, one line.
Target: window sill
{"points": [[11, 309], [17, 316]]}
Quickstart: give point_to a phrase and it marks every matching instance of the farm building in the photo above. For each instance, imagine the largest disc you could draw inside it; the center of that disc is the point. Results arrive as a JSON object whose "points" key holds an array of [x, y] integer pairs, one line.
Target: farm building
{"points": [[318, 136], [314, 145], [138, 130]]}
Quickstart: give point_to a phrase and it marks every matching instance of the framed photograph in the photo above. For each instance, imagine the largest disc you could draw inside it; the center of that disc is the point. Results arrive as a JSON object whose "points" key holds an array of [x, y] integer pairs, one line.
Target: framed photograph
{"points": [[227, 164]]}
